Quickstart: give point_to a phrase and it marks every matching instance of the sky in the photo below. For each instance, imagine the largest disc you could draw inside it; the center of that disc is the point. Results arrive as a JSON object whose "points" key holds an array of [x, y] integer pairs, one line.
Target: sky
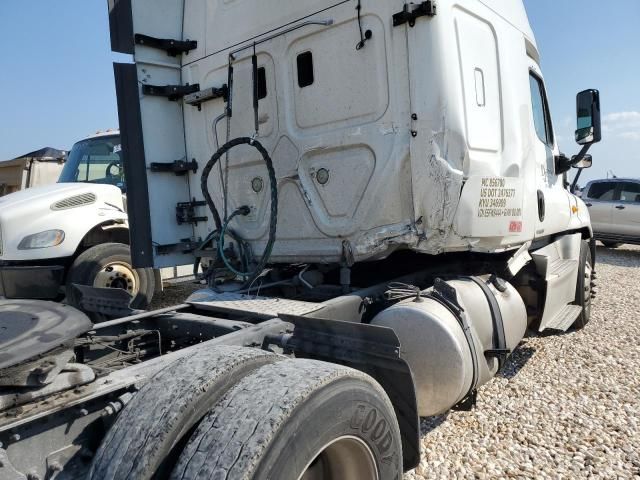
{"points": [[57, 79]]}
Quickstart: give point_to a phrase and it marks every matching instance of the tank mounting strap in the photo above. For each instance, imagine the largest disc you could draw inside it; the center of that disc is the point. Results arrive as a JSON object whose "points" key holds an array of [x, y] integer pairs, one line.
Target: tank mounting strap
{"points": [[171, 46], [500, 350], [446, 295]]}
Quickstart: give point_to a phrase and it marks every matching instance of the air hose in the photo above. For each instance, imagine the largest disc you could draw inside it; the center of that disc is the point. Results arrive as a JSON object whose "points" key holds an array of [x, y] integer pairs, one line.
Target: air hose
{"points": [[223, 227]]}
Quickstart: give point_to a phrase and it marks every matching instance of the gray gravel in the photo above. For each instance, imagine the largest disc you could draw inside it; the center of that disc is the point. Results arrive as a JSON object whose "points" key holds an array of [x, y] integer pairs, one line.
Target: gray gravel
{"points": [[174, 294], [565, 406]]}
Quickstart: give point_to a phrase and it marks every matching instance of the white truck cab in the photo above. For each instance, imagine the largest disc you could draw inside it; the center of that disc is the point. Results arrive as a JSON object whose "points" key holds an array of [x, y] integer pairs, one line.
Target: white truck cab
{"points": [[285, 141], [74, 231]]}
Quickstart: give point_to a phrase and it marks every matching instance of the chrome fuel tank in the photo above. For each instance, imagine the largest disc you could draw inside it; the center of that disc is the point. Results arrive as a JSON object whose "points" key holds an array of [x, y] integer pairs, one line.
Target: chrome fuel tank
{"points": [[434, 344]]}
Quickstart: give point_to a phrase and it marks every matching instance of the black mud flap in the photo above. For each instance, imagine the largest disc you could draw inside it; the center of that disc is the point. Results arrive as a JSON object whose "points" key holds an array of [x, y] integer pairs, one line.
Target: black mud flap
{"points": [[371, 349], [111, 302]]}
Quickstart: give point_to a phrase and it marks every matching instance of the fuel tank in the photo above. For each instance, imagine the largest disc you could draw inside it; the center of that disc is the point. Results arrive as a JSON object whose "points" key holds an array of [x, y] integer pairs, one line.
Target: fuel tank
{"points": [[431, 329]]}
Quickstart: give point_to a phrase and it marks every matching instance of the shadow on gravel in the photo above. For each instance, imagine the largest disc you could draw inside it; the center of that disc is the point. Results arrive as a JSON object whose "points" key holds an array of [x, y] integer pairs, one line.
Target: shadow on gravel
{"points": [[624, 256], [429, 424], [516, 361]]}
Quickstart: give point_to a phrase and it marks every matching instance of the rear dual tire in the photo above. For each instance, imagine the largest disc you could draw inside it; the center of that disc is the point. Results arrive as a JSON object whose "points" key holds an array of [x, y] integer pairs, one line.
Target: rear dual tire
{"points": [[297, 420], [258, 416]]}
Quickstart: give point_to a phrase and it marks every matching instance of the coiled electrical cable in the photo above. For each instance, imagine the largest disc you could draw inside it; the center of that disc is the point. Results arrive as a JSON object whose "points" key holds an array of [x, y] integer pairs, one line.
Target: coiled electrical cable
{"points": [[222, 227]]}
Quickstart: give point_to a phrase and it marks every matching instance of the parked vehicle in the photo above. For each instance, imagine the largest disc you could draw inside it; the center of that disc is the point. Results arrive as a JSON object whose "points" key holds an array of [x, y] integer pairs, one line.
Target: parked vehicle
{"points": [[41, 167], [377, 198], [614, 206], [73, 231]]}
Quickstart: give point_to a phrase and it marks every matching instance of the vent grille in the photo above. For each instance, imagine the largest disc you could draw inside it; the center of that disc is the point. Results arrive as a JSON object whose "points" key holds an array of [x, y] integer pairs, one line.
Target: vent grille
{"points": [[75, 201]]}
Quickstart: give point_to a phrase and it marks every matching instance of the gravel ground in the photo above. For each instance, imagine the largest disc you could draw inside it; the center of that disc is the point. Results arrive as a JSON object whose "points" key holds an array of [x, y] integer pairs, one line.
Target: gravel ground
{"points": [[565, 406], [173, 294]]}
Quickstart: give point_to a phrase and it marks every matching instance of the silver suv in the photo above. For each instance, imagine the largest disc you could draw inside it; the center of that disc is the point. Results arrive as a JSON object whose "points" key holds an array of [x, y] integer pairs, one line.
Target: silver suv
{"points": [[614, 206]]}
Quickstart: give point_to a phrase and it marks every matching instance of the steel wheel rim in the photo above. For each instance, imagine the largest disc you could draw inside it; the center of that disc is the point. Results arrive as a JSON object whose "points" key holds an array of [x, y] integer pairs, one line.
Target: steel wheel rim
{"points": [[118, 275], [344, 458]]}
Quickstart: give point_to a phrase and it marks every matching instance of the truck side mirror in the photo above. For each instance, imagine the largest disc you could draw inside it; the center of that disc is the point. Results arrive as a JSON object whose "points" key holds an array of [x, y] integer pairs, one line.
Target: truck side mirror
{"points": [[588, 113], [584, 162]]}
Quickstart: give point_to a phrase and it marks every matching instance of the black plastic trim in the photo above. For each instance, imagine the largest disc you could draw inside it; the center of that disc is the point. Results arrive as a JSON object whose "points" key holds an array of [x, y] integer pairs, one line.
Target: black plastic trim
{"points": [[612, 237], [21, 280], [121, 26], [135, 167]]}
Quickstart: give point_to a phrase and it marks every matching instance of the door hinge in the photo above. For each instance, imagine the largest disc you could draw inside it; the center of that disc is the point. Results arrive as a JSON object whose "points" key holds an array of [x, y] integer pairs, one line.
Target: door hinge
{"points": [[172, 92], [171, 46], [179, 167], [186, 212], [411, 11]]}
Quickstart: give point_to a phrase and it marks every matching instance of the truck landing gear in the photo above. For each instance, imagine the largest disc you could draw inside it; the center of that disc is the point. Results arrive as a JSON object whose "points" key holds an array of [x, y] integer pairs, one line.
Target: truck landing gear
{"points": [[109, 265]]}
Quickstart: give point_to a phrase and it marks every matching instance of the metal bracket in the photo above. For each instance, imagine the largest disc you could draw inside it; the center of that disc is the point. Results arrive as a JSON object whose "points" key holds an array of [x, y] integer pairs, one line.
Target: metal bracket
{"points": [[197, 98], [467, 403], [184, 246], [411, 11], [186, 212], [171, 46], [172, 92], [179, 167]]}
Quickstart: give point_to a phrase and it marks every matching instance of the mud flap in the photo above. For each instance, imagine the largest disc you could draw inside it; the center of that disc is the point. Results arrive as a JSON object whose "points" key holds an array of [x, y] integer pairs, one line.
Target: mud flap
{"points": [[112, 302], [371, 349]]}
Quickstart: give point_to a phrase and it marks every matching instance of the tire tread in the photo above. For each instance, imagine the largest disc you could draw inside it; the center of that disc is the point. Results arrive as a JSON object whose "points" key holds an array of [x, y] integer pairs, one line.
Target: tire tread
{"points": [[230, 442]]}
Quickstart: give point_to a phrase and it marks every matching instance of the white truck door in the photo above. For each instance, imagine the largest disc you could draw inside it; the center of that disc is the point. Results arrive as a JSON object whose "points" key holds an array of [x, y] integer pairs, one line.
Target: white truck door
{"points": [[554, 207], [151, 121], [626, 210]]}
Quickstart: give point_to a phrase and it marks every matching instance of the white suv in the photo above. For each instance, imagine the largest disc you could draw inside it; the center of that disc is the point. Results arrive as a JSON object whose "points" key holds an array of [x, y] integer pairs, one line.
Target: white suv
{"points": [[614, 206]]}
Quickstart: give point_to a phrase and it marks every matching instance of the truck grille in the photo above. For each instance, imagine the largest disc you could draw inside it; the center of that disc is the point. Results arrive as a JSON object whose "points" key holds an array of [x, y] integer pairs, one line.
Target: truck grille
{"points": [[75, 201]]}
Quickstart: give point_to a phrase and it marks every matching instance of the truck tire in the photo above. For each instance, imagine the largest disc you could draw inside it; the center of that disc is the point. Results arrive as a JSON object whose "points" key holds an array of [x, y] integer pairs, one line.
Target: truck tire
{"points": [[146, 438], [297, 420], [92, 266], [584, 286], [611, 244]]}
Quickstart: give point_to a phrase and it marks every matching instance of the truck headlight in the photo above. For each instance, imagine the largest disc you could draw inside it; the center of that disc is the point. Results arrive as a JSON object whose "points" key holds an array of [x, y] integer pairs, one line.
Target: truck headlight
{"points": [[48, 238]]}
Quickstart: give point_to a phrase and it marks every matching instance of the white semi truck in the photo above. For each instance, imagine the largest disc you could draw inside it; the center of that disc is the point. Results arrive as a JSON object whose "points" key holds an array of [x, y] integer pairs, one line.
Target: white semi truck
{"points": [[75, 231], [374, 191]]}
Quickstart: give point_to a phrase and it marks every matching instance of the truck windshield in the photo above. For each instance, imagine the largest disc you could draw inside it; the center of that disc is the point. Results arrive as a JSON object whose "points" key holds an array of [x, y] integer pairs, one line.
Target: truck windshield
{"points": [[96, 160]]}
